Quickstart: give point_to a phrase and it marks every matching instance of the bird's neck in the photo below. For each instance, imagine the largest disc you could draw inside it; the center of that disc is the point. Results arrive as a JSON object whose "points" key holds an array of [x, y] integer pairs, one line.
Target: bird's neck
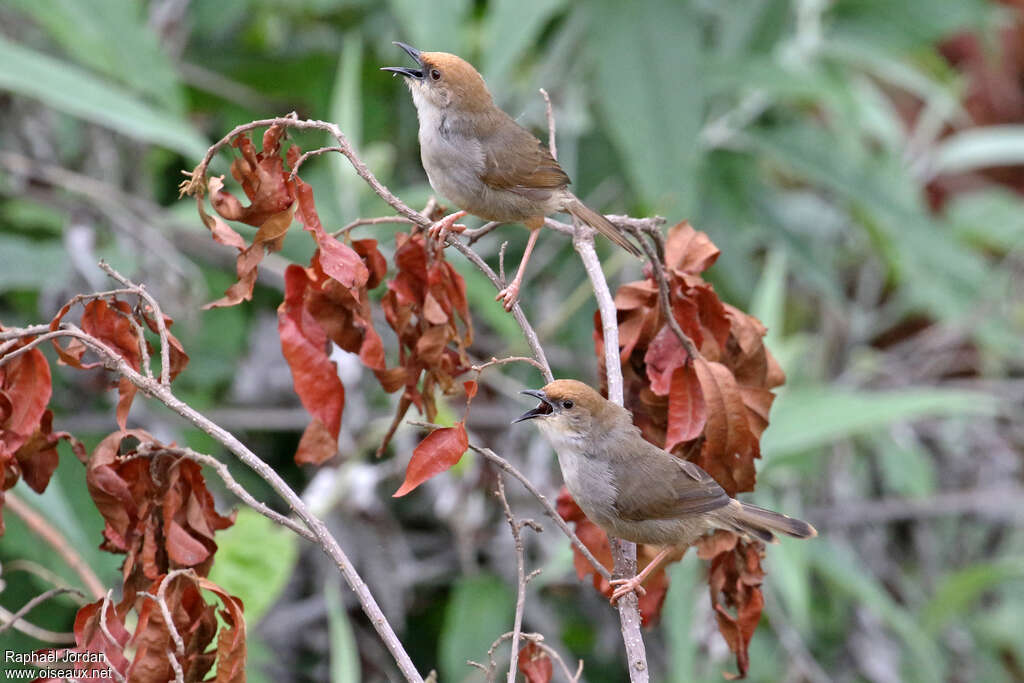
{"points": [[448, 121]]}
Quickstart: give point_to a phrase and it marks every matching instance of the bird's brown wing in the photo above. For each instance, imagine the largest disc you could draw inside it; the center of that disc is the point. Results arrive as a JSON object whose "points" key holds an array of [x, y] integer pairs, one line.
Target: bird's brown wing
{"points": [[515, 160], [668, 487]]}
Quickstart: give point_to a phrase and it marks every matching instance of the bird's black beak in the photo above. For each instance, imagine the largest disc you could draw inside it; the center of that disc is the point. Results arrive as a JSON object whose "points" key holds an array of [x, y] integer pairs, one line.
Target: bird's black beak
{"points": [[545, 407], [404, 70]]}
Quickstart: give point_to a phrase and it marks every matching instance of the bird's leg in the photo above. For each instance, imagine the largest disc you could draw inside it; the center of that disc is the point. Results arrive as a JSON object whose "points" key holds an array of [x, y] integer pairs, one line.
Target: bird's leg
{"points": [[627, 586], [447, 224], [510, 294]]}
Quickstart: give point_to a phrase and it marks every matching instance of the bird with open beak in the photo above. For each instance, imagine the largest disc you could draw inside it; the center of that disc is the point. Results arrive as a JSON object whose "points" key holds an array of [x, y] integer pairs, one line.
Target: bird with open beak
{"points": [[634, 490], [480, 159]]}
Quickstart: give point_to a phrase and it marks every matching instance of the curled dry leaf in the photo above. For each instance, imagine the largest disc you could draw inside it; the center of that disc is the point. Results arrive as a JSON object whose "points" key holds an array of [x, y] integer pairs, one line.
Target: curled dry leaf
{"points": [[119, 327], [142, 654], [157, 510], [314, 374], [711, 409], [535, 665], [25, 423], [265, 182], [426, 306], [275, 198], [735, 585], [318, 308]]}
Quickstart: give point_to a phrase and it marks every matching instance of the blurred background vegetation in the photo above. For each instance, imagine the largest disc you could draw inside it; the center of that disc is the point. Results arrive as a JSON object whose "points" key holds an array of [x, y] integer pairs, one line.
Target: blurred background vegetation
{"points": [[859, 162]]}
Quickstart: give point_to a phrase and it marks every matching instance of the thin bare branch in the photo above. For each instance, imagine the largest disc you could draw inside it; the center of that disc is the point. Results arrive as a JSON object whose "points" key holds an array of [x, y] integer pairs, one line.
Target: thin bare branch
{"points": [[476, 233], [107, 602], [666, 307], [165, 610], [549, 509], [37, 632], [196, 184], [509, 359], [552, 146], [380, 220], [153, 450], [56, 540], [517, 538], [538, 640], [324, 539], [624, 552], [161, 326], [34, 602]]}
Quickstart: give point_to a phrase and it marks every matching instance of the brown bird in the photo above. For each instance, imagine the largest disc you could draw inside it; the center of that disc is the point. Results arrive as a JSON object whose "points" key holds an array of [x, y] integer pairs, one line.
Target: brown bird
{"points": [[484, 162], [633, 489]]}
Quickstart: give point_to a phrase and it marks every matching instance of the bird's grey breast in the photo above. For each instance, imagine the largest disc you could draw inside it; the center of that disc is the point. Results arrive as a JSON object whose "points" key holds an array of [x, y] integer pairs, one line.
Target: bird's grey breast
{"points": [[590, 481], [452, 158]]}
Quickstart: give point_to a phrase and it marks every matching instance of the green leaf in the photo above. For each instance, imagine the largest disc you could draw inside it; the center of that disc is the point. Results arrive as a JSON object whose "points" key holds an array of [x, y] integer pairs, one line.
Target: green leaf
{"points": [[254, 560], [346, 111], [942, 277], [648, 76], [72, 90], [510, 28], [345, 666], [769, 300], [907, 24], [677, 615], [975, 148], [31, 264], [849, 579], [113, 38], [992, 218], [431, 26], [960, 589], [803, 419], [789, 573], [478, 611]]}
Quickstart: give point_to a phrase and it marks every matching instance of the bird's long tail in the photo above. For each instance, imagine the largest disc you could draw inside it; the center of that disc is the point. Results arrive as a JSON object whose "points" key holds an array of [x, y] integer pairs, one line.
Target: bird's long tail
{"points": [[598, 222], [763, 524]]}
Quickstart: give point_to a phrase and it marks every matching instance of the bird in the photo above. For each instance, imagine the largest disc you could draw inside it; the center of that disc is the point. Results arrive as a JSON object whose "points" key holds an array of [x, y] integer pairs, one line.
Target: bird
{"points": [[480, 159], [634, 490]]}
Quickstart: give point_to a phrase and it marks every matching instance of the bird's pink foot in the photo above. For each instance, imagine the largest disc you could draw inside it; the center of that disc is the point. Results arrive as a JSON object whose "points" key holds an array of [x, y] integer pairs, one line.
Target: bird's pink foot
{"points": [[509, 296], [627, 586], [440, 228]]}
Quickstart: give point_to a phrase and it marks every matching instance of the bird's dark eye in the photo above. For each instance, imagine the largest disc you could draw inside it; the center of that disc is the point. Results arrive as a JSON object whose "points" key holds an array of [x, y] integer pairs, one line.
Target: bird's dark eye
{"points": [[435, 74], [567, 404]]}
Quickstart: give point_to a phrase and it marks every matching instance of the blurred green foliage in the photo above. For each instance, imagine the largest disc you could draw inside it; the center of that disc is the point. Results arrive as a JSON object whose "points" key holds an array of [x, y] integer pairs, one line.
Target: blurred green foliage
{"points": [[779, 127]]}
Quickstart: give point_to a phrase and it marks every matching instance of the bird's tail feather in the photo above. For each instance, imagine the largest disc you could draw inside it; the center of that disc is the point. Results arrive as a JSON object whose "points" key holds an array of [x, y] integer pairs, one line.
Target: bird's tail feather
{"points": [[761, 523], [598, 222]]}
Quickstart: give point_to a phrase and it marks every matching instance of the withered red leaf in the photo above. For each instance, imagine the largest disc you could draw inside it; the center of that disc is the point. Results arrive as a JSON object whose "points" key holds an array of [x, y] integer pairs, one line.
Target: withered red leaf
{"points": [[317, 444], [345, 313], [735, 585], [534, 663], [338, 260], [25, 390], [157, 509], [435, 454], [688, 250], [219, 230], [272, 205], [314, 375], [177, 357], [231, 640], [729, 446], [37, 458], [687, 411]]}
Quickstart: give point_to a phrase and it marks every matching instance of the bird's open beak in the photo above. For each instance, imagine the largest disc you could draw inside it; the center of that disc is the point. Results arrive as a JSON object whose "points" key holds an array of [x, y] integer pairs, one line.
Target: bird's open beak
{"points": [[545, 407], [404, 70]]}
